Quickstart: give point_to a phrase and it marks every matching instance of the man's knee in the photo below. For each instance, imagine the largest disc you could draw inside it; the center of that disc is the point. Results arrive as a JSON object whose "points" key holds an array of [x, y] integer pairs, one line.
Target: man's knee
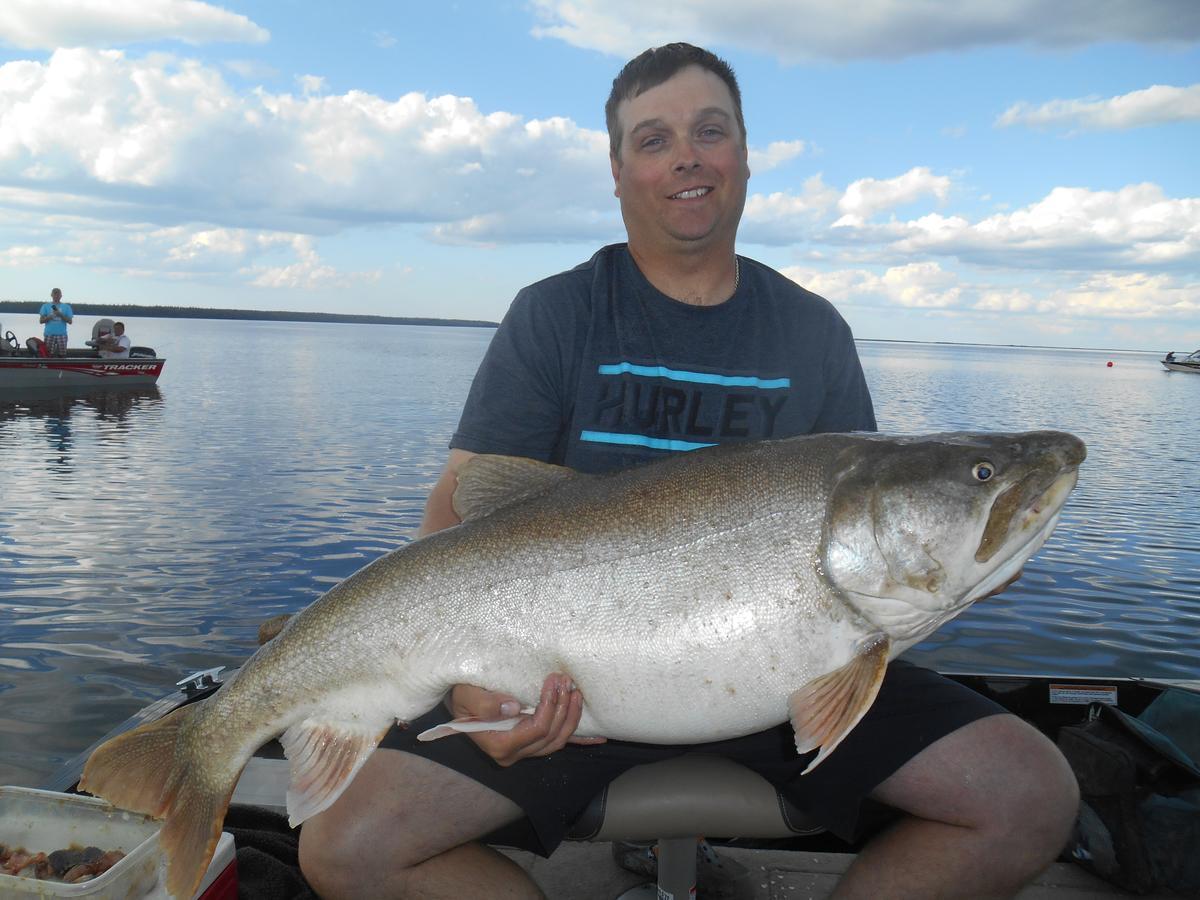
{"points": [[1043, 805], [1031, 801]]}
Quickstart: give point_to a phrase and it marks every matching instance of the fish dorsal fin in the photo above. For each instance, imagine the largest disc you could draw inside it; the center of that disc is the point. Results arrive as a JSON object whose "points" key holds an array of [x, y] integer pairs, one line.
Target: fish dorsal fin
{"points": [[825, 710], [325, 757], [490, 482]]}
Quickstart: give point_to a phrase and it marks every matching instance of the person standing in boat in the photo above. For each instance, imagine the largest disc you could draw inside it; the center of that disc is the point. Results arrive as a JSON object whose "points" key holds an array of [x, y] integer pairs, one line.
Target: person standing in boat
{"points": [[56, 316], [116, 345]]}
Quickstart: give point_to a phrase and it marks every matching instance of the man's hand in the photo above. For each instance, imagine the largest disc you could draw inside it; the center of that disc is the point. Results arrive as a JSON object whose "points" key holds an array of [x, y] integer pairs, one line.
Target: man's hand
{"points": [[550, 728]]}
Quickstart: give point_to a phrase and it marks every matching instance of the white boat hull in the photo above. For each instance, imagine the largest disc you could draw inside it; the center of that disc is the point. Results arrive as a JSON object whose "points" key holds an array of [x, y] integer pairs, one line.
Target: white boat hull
{"points": [[18, 372]]}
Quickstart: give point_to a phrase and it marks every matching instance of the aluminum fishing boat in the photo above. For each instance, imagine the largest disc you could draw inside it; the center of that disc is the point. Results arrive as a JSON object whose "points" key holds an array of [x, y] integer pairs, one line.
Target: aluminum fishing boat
{"points": [[22, 365]]}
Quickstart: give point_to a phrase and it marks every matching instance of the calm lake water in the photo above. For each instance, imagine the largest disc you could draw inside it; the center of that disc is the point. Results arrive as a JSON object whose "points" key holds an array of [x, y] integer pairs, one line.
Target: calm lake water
{"points": [[146, 535]]}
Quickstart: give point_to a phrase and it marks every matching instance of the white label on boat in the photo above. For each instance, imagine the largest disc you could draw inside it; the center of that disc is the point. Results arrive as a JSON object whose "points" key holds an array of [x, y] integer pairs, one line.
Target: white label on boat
{"points": [[1084, 694]]}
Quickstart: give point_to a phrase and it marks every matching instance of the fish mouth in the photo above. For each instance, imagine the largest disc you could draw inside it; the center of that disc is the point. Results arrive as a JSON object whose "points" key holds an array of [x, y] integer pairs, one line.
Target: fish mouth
{"points": [[1026, 506], [694, 193]]}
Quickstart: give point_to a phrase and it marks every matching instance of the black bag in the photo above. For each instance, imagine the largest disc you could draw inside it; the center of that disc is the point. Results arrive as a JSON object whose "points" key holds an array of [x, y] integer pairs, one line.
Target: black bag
{"points": [[1139, 824]]}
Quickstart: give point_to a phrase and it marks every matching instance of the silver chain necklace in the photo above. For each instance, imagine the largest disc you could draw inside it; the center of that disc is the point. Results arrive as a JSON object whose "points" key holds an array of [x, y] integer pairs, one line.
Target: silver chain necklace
{"points": [[737, 272]]}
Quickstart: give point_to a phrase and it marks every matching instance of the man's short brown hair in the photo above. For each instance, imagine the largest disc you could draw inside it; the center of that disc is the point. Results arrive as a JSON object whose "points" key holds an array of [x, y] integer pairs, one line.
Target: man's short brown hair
{"points": [[652, 68]]}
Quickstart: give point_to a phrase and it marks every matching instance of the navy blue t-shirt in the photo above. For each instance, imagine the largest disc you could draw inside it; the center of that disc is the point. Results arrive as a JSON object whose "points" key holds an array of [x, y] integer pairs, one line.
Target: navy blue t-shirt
{"points": [[596, 369]]}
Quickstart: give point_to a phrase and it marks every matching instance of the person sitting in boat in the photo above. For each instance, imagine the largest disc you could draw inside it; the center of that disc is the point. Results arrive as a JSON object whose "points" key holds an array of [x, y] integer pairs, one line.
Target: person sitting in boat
{"points": [[56, 316], [1170, 356], [116, 345]]}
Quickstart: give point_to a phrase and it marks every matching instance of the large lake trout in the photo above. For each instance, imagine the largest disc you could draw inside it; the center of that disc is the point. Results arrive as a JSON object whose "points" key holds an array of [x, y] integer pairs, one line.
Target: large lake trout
{"points": [[708, 595]]}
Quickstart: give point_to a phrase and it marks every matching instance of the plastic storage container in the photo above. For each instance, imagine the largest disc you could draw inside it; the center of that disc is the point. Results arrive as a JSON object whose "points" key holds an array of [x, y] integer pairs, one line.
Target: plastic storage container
{"points": [[47, 821]]}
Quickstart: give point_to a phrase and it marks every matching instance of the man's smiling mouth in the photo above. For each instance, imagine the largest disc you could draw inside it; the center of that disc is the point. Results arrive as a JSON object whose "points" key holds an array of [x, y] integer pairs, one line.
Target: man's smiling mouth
{"points": [[691, 194]]}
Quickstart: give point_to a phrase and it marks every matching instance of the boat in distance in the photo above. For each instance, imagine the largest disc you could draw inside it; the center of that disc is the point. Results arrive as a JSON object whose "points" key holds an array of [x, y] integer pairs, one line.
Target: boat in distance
{"points": [[24, 367], [27, 371], [1189, 363]]}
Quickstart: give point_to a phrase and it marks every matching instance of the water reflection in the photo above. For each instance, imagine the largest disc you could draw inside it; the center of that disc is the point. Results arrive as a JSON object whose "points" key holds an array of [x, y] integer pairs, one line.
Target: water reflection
{"points": [[56, 408], [107, 402]]}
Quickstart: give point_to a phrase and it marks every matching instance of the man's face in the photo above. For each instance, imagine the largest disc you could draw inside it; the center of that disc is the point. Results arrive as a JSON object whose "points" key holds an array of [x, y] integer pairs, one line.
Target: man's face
{"points": [[681, 173], [56, 295]]}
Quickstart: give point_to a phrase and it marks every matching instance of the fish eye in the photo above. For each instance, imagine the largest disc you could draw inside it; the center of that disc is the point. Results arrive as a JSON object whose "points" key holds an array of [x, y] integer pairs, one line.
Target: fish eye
{"points": [[983, 471]]}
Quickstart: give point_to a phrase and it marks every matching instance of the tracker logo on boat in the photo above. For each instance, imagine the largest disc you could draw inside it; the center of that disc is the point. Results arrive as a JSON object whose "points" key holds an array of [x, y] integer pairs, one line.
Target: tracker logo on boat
{"points": [[128, 367]]}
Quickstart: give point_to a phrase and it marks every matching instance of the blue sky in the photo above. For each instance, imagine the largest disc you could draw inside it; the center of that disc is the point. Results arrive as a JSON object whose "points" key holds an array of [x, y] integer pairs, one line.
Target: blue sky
{"points": [[1021, 172]]}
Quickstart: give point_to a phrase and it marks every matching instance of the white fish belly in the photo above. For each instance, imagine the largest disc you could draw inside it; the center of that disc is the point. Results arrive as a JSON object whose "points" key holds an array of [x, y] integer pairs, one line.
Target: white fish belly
{"points": [[662, 652]]}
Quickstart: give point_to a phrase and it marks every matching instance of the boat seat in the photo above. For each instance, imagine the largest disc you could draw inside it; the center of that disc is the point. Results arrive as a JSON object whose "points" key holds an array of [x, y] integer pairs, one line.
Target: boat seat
{"points": [[676, 801]]}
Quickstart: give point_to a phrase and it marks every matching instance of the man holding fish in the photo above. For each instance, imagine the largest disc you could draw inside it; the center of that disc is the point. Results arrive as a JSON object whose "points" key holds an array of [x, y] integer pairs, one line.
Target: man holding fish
{"points": [[670, 343]]}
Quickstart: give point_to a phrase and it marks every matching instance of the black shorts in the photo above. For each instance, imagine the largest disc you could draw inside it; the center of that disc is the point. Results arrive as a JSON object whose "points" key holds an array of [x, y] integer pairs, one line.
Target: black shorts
{"points": [[915, 707]]}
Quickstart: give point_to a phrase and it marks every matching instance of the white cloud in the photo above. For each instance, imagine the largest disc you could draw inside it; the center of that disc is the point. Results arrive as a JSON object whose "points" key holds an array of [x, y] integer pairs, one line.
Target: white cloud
{"points": [[928, 286], [159, 138], [776, 154], [48, 24], [1155, 105], [1134, 227], [307, 273], [19, 255], [868, 196], [923, 285], [869, 29], [785, 218], [1130, 295]]}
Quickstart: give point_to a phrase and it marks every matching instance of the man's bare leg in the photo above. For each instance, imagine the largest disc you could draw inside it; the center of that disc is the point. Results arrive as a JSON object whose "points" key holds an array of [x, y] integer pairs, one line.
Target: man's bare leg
{"points": [[405, 827], [990, 806]]}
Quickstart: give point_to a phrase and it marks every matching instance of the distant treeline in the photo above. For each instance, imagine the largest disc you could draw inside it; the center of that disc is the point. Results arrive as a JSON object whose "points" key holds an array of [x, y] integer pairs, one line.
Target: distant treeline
{"points": [[111, 311]]}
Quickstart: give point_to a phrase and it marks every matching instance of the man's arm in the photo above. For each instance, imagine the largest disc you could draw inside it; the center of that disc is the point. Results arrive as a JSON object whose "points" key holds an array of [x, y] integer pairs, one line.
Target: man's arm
{"points": [[439, 507]]}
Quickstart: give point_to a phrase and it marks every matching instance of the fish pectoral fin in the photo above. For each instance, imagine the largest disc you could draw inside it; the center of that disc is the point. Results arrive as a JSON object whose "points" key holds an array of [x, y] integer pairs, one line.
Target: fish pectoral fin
{"points": [[825, 710], [325, 757], [489, 482], [467, 724]]}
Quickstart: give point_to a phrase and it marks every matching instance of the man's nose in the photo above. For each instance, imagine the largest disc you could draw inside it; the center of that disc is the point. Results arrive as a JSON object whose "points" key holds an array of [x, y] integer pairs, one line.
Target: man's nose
{"points": [[687, 160]]}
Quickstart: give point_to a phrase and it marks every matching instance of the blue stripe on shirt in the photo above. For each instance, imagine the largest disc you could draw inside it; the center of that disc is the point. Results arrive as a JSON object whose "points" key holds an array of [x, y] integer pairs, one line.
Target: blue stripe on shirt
{"points": [[639, 440], [696, 377]]}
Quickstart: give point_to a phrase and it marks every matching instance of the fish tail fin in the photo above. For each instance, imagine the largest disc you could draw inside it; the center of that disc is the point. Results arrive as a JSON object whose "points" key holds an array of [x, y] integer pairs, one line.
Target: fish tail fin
{"points": [[131, 770], [193, 827], [141, 771]]}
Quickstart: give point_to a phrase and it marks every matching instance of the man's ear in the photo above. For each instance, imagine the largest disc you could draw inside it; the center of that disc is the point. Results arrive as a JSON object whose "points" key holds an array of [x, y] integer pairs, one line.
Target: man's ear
{"points": [[616, 173]]}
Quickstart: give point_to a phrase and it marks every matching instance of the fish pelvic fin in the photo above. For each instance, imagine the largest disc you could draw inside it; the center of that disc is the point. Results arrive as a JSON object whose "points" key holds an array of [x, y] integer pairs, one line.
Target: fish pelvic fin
{"points": [[325, 757], [140, 771], [468, 724], [825, 710]]}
